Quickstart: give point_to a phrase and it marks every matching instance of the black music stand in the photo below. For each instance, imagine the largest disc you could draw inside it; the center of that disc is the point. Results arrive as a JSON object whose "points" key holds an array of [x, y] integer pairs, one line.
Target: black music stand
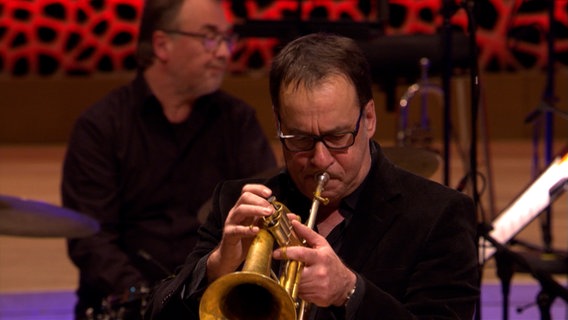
{"points": [[507, 259]]}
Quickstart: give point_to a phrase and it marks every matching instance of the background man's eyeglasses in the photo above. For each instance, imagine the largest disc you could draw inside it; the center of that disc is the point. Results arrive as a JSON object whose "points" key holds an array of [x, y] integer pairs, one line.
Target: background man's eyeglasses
{"points": [[211, 41], [332, 141]]}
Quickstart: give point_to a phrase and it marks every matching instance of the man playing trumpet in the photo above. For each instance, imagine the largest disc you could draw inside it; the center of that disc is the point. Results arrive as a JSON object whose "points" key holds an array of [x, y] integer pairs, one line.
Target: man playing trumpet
{"points": [[388, 245]]}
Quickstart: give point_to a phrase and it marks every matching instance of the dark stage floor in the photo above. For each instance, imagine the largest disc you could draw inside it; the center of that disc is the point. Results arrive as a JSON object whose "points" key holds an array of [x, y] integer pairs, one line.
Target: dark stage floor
{"points": [[57, 305]]}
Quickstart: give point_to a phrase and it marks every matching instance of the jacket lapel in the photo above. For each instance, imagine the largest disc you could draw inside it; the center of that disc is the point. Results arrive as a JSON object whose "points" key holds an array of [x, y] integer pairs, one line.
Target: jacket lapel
{"points": [[373, 216]]}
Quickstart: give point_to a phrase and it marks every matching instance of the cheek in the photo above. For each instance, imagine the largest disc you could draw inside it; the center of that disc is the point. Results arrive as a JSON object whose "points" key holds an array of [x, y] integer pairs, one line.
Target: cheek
{"points": [[354, 163], [296, 165], [348, 163], [190, 55], [291, 160], [192, 61], [297, 157], [190, 70]]}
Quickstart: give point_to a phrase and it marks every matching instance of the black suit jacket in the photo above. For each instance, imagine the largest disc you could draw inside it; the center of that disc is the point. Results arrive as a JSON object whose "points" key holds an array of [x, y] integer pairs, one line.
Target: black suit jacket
{"points": [[411, 241]]}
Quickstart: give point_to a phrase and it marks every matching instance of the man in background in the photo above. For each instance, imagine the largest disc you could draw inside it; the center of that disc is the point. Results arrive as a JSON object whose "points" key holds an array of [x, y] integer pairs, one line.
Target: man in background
{"points": [[145, 158]]}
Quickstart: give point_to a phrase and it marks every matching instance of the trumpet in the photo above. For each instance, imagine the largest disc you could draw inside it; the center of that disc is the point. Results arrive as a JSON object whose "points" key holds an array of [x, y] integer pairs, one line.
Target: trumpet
{"points": [[256, 292]]}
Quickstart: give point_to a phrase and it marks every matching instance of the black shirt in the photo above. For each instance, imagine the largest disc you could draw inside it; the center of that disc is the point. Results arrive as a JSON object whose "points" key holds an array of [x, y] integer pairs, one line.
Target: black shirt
{"points": [[145, 179]]}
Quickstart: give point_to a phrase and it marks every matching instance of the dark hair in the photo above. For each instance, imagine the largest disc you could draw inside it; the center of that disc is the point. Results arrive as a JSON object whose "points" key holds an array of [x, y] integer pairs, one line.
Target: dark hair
{"points": [[311, 58], [156, 15]]}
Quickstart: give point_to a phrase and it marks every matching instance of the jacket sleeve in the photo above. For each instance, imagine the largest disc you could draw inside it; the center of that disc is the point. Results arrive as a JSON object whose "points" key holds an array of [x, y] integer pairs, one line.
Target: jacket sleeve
{"points": [[178, 297]]}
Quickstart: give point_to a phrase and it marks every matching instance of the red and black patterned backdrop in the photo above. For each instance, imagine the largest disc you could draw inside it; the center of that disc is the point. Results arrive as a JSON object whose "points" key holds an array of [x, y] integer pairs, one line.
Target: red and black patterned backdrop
{"points": [[50, 37]]}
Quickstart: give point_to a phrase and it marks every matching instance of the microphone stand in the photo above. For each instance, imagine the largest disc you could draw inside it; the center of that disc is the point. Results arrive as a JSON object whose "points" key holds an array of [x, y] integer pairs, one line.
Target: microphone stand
{"points": [[448, 10], [469, 6], [546, 109], [475, 91]]}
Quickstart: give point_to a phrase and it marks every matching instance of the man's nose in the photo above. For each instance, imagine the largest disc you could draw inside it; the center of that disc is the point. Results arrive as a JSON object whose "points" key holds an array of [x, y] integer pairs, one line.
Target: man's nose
{"points": [[321, 156], [224, 49]]}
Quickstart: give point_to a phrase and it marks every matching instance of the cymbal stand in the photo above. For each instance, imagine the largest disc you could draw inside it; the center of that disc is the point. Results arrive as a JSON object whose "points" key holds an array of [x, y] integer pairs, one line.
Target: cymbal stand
{"points": [[469, 7]]}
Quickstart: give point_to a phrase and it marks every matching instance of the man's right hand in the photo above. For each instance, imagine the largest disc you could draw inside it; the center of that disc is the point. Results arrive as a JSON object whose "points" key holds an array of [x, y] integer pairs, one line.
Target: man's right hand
{"points": [[241, 226]]}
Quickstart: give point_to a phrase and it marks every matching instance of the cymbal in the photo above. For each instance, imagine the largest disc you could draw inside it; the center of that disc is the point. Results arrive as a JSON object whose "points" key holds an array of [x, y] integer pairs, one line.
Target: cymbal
{"points": [[419, 161], [21, 217]]}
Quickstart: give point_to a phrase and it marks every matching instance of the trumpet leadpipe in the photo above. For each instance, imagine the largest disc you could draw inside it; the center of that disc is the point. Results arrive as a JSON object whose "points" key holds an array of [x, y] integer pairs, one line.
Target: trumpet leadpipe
{"points": [[321, 179]]}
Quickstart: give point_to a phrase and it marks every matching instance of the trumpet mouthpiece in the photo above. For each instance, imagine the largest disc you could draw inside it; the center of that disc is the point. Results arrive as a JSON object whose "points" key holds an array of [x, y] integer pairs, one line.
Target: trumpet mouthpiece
{"points": [[322, 177]]}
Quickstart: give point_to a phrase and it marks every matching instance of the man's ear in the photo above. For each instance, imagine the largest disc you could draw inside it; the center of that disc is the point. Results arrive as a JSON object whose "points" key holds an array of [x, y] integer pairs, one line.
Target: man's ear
{"points": [[371, 118], [161, 43]]}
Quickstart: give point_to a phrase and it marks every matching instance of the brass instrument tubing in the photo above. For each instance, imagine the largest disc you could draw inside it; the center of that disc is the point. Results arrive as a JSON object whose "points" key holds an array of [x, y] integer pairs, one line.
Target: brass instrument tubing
{"points": [[322, 180]]}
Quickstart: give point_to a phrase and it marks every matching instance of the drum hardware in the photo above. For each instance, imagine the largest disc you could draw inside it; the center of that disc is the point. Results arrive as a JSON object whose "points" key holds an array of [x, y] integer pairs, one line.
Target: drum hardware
{"points": [[413, 150], [419, 134], [154, 262], [419, 161], [131, 304], [254, 292], [22, 217], [532, 202]]}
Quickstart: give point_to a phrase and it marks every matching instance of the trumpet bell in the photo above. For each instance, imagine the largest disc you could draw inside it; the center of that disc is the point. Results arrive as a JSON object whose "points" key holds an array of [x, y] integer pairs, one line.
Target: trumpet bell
{"points": [[246, 295], [251, 294]]}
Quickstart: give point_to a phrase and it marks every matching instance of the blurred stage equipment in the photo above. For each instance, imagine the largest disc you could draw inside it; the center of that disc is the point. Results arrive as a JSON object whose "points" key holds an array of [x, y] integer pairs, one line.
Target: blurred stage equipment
{"points": [[532, 202], [545, 260], [527, 206], [550, 288], [395, 57], [535, 200], [413, 150], [418, 134], [130, 304], [21, 217], [420, 161], [391, 57], [543, 121]]}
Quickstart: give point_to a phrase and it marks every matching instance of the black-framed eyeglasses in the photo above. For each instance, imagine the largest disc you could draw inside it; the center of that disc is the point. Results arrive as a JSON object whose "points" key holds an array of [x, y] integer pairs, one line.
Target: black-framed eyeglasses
{"points": [[211, 41], [332, 141]]}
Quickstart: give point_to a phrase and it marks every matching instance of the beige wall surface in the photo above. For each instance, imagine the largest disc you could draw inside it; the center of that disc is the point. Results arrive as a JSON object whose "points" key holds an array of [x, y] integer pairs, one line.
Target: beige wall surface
{"points": [[42, 110]]}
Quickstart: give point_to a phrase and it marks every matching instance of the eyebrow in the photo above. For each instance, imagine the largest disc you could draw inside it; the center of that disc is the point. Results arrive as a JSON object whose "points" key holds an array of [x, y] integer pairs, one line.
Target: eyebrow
{"points": [[296, 132]]}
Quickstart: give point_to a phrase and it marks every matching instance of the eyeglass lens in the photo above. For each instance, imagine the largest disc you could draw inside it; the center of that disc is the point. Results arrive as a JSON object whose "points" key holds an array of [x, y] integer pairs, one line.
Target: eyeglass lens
{"points": [[212, 42]]}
